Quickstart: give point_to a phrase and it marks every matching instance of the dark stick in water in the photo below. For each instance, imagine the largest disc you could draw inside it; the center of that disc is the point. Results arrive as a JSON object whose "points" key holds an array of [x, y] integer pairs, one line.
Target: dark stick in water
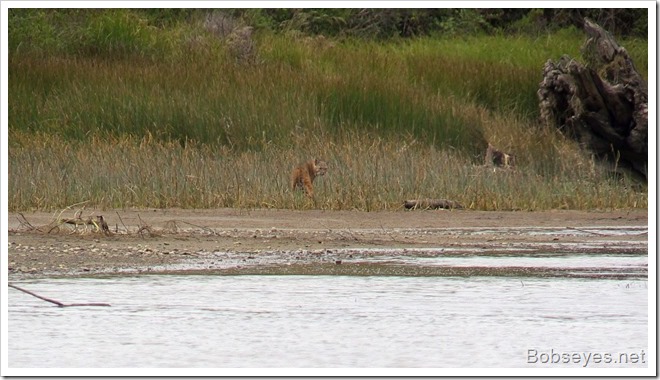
{"points": [[58, 303]]}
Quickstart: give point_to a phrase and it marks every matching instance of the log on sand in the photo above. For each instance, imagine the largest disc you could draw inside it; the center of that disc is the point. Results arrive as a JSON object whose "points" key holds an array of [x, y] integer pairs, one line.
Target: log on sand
{"points": [[426, 204]]}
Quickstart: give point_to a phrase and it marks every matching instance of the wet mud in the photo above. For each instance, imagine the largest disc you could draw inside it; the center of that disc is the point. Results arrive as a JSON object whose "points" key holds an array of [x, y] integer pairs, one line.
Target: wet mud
{"points": [[280, 242]]}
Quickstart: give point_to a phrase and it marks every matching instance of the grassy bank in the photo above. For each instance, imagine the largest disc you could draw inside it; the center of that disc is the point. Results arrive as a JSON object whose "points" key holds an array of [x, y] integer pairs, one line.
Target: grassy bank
{"points": [[423, 88], [181, 116], [366, 173]]}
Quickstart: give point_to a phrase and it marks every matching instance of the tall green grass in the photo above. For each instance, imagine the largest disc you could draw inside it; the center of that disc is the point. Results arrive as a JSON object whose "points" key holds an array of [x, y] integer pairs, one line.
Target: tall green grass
{"points": [[418, 88], [415, 88], [132, 115]]}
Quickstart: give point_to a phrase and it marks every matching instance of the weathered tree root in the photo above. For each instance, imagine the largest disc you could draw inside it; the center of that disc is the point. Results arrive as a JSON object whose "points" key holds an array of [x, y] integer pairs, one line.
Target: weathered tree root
{"points": [[99, 223]]}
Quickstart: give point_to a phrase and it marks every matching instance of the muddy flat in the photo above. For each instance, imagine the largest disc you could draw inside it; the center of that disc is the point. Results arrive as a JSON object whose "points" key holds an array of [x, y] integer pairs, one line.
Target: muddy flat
{"points": [[233, 241]]}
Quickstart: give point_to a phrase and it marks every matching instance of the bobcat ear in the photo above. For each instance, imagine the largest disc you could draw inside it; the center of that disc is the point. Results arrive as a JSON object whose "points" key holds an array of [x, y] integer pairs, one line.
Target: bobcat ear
{"points": [[316, 161]]}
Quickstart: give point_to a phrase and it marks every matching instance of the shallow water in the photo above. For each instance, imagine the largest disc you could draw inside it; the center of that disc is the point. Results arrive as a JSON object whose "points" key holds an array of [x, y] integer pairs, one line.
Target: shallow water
{"points": [[328, 321], [637, 264], [428, 261]]}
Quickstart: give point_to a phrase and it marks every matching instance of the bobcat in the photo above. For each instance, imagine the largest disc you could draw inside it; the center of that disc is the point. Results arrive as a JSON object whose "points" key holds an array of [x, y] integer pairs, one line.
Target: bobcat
{"points": [[303, 176], [499, 158]]}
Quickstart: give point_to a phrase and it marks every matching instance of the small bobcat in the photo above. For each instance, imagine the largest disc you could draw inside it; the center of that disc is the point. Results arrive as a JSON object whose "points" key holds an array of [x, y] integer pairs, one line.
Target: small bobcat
{"points": [[499, 158], [303, 176]]}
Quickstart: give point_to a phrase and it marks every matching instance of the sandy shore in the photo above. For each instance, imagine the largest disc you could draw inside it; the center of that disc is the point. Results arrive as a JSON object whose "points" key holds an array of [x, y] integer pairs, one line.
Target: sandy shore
{"points": [[247, 241]]}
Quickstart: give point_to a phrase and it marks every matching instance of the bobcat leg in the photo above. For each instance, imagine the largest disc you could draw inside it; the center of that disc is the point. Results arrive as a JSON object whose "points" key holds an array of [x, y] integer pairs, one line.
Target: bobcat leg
{"points": [[309, 189]]}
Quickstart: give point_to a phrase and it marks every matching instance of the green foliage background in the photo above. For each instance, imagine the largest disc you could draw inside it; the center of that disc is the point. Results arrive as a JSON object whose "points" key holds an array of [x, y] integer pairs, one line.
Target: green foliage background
{"points": [[271, 87]]}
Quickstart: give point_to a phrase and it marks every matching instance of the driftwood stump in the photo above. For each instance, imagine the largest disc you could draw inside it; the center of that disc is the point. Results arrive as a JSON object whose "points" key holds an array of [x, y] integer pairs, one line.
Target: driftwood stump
{"points": [[425, 204], [603, 105], [99, 223]]}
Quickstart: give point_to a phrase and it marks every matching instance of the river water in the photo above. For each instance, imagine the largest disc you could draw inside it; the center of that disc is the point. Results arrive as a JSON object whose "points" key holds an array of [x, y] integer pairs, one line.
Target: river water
{"points": [[293, 321]]}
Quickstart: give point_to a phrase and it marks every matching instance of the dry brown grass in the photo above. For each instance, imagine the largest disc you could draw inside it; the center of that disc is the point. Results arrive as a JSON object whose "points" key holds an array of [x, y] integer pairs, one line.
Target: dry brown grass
{"points": [[365, 173]]}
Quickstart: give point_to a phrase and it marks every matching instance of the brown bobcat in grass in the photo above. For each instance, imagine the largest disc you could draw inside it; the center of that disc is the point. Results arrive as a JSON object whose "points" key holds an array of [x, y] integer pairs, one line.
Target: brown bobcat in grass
{"points": [[499, 158], [303, 176]]}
